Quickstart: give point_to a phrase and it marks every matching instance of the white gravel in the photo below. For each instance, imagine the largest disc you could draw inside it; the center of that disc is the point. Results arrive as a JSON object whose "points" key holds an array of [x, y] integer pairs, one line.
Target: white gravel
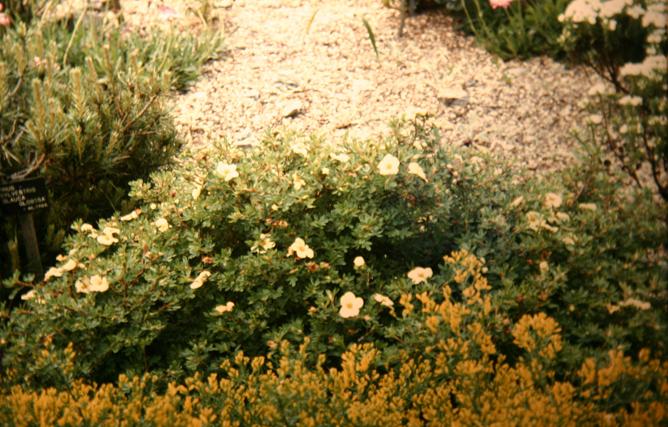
{"points": [[279, 71]]}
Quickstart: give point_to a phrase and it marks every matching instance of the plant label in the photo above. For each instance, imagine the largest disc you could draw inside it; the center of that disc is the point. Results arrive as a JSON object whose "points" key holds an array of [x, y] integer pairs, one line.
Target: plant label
{"points": [[24, 196]]}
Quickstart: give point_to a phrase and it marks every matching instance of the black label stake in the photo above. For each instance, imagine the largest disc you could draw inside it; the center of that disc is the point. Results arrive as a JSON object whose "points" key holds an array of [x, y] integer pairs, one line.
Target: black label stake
{"points": [[22, 198]]}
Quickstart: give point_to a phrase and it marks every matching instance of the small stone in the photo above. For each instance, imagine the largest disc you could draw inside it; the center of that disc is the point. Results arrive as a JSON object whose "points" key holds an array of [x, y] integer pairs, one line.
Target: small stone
{"points": [[223, 4], [292, 109], [453, 96]]}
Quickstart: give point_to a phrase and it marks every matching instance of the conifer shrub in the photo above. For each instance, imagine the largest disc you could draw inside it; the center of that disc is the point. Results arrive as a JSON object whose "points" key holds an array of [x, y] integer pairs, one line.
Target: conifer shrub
{"points": [[82, 104], [240, 250]]}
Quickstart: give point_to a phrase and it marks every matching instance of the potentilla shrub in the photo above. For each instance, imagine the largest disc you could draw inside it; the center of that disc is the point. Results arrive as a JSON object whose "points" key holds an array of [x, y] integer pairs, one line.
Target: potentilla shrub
{"points": [[82, 104], [454, 374], [608, 34], [627, 46], [240, 250]]}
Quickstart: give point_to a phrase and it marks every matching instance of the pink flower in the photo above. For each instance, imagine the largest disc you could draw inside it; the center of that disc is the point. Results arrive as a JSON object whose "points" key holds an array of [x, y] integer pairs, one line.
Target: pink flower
{"points": [[5, 20], [500, 3]]}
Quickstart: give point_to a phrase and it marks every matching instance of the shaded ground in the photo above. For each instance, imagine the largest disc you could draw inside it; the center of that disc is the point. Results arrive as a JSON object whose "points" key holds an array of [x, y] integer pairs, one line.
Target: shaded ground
{"points": [[309, 65]]}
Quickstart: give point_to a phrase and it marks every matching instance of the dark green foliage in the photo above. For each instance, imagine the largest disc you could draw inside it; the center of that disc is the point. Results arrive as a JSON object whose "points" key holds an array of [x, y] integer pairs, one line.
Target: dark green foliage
{"points": [[526, 28]]}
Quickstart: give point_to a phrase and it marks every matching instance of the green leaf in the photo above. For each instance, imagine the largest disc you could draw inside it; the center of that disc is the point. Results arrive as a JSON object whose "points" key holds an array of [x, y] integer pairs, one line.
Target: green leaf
{"points": [[372, 37]]}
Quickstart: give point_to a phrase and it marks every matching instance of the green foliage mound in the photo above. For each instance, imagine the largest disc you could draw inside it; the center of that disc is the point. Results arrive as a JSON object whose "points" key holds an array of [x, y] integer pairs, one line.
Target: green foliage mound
{"points": [[240, 250], [524, 29], [82, 104], [520, 29]]}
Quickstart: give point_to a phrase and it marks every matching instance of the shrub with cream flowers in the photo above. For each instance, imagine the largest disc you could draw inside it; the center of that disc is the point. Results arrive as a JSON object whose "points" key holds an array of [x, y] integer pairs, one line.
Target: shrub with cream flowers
{"points": [[452, 370], [625, 41], [351, 256]]}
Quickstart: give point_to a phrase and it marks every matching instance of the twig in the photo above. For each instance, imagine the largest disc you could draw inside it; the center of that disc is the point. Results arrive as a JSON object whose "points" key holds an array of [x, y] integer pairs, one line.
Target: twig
{"points": [[663, 191], [24, 173], [407, 9], [141, 113]]}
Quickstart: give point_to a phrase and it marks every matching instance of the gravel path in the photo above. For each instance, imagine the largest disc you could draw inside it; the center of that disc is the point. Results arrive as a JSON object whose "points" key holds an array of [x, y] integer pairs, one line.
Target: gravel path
{"points": [[309, 65]]}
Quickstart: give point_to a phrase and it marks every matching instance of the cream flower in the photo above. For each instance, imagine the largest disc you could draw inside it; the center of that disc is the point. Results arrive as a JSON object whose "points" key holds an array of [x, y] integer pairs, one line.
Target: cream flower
{"points": [[516, 202], [635, 11], [70, 265], [300, 248], [132, 215], [53, 272], [161, 224], [359, 262], [226, 171], [196, 192], [652, 65], [350, 305], [95, 283], [264, 244], [224, 308], [568, 240], [340, 157], [544, 266], [628, 100], [299, 148], [612, 25], [383, 300], [535, 220], [562, 216], [106, 239], [31, 294], [98, 283], [654, 18], [552, 200], [87, 228], [28, 295], [587, 206], [415, 169], [297, 182], [598, 89], [389, 165], [199, 281], [595, 119], [111, 230], [420, 274]]}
